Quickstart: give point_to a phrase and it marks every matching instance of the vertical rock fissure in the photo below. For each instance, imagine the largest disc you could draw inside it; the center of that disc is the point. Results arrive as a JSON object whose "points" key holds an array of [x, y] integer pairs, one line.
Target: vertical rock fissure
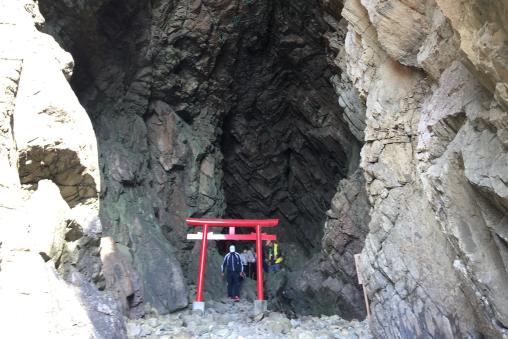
{"points": [[285, 143]]}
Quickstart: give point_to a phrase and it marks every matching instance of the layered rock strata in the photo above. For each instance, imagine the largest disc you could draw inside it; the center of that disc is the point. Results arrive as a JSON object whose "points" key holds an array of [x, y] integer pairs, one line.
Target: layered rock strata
{"points": [[201, 105], [435, 163], [174, 88], [328, 283], [50, 234], [286, 144]]}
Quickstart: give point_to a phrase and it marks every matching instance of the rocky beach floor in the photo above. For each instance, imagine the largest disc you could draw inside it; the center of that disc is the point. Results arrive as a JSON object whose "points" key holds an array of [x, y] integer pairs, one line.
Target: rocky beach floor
{"points": [[234, 320]]}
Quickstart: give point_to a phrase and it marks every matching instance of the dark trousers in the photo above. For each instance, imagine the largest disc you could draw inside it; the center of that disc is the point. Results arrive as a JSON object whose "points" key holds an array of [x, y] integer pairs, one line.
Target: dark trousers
{"points": [[265, 266], [233, 284], [251, 272]]}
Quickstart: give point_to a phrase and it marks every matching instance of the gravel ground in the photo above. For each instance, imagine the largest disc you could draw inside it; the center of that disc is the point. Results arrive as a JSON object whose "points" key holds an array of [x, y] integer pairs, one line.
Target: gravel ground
{"points": [[234, 320]]}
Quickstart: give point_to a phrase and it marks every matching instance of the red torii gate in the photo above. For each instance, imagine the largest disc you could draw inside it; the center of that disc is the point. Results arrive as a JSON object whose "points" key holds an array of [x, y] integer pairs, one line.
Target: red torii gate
{"points": [[204, 236]]}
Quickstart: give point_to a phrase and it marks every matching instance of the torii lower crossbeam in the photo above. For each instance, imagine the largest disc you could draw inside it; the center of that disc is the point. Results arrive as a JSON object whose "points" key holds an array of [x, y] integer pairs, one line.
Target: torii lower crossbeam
{"points": [[204, 236], [219, 236]]}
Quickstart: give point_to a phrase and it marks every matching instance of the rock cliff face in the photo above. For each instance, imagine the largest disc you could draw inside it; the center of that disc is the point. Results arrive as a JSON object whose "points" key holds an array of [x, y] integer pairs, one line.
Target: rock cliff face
{"points": [[285, 143], [202, 106], [162, 110], [328, 282], [433, 77], [51, 271]]}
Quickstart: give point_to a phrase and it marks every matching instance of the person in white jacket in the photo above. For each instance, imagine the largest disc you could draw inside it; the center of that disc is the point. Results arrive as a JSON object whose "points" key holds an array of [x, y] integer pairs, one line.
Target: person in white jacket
{"points": [[248, 262]]}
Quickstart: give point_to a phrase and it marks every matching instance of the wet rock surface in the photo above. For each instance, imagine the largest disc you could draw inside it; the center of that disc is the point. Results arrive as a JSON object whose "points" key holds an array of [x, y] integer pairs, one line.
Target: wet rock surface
{"points": [[228, 319]]}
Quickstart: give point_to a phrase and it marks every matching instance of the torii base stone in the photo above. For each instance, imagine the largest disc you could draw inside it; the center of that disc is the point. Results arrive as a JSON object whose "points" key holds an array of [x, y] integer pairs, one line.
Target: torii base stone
{"points": [[260, 306], [198, 307]]}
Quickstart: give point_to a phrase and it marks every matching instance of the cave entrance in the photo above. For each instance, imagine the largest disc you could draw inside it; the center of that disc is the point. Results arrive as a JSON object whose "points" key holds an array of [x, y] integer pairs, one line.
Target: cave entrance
{"points": [[283, 167], [252, 90], [287, 165], [285, 143], [286, 146]]}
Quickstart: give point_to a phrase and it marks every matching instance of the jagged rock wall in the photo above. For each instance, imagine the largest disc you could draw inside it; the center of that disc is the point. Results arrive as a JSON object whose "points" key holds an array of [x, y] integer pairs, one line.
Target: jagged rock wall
{"points": [[285, 143], [159, 78], [328, 283], [50, 236], [158, 161], [170, 88], [433, 78]]}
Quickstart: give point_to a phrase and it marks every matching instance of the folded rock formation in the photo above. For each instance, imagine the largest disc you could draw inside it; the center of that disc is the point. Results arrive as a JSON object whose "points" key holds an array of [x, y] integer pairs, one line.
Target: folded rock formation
{"points": [[372, 126]]}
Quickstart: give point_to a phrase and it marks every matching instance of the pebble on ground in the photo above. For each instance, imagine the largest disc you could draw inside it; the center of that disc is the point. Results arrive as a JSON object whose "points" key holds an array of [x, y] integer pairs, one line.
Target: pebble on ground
{"points": [[234, 320]]}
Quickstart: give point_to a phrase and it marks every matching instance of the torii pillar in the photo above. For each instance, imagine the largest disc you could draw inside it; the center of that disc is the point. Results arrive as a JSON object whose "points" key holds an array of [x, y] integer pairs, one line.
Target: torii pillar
{"points": [[260, 304]]}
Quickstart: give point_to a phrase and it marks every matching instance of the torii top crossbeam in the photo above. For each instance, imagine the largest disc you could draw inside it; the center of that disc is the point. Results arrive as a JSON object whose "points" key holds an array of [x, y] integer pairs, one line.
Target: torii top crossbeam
{"points": [[232, 222], [204, 236]]}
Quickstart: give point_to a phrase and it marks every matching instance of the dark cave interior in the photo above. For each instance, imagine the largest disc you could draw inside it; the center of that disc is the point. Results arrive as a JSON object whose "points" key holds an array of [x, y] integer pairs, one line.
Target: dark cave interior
{"points": [[252, 86]]}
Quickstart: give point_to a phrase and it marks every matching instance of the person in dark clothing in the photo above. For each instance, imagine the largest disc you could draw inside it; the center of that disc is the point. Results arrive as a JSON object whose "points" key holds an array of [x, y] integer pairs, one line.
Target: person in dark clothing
{"points": [[233, 267]]}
